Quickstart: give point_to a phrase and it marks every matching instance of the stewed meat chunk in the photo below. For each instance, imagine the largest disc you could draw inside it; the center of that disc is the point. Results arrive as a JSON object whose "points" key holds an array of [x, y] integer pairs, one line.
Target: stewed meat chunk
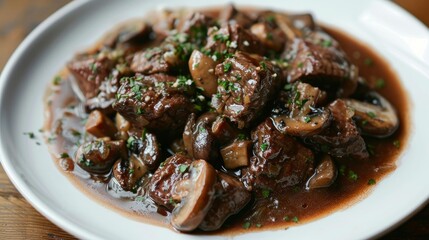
{"points": [[247, 83]]}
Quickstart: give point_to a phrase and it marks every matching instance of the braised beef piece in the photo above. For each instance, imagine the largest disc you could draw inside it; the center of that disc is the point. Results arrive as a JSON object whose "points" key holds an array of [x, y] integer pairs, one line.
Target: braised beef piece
{"points": [[171, 56], [146, 148], [196, 27], [279, 160], [128, 35], [232, 14], [158, 102], [231, 197], [199, 140], [342, 138], [246, 84], [89, 73], [319, 60], [223, 42], [106, 96], [161, 184]]}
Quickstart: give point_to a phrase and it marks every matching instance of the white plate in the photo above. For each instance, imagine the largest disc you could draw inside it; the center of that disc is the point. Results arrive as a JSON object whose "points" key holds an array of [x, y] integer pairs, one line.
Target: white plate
{"points": [[394, 33]]}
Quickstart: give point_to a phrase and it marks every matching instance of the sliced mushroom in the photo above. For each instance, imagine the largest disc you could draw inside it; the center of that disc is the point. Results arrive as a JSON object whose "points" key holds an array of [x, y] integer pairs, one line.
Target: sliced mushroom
{"points": [[376, 117], [304, 119], [123, 126], [100, 125], [236, 154], [146, 147], [202, 71], [223, 130], [196, 196], [325, 174], [128, 172], [98, 156], [199, 140]]}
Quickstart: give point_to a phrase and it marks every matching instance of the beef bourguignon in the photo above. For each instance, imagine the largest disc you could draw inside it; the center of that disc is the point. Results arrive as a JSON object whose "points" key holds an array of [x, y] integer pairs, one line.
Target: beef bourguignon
{"points": [[226, 118]]}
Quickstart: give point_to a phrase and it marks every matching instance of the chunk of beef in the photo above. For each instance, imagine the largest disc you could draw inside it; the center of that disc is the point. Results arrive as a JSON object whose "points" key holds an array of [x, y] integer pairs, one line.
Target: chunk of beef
{"points": [[269, 36], [164, 178], [246, 84], [170, 56], [279, 160], [89, 73], [223, 42], [156, 102], [133, 32], [128, 172], [232, 14], [196, 27], [231, 197], [342, 138], [319, 60], [106, 95]]}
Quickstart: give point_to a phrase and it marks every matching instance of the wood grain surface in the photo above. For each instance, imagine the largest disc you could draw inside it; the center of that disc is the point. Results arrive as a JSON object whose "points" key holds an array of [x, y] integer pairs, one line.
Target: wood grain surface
{"points": [[19, 220]]}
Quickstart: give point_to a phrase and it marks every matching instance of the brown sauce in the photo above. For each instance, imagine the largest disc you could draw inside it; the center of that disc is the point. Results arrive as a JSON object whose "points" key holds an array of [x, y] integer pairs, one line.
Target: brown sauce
{"points": [[292, 206]]}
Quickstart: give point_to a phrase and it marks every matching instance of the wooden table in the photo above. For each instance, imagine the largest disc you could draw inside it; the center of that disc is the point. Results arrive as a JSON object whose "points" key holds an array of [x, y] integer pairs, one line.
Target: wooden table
{"points": [[18, 219]]}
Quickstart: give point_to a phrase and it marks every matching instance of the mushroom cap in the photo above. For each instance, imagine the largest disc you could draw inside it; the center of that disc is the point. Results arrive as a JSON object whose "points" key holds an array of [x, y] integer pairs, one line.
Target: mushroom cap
{"points": [[197, 195]]}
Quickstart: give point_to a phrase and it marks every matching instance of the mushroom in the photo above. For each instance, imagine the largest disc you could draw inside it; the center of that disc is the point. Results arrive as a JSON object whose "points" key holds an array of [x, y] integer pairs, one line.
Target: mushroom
{"points": [[324, 175], [304, 119], [202, 71], [98, 156], [123, 126], [128, 172], [196, 195], [99, 125], [236, 154], [223, 130], [198, 138], [375, 117], [128, 32]]}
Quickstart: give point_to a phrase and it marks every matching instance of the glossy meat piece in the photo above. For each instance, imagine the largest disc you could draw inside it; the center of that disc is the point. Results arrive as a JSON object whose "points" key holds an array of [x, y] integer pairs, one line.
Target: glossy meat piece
{"points": [[319, 60], [231, 197], [223, 42], [106, 95], [246, 84], [232, 14], [146, 148], [156, 102], [132, 32], [342, 138], [171, 56], [279, 160], [164, 178], [89, 73]]}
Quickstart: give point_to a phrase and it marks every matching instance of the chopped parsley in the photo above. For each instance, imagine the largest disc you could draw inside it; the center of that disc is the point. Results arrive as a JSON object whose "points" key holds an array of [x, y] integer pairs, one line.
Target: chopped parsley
{"points": [[258, 225], [183, 168], [286, 218], [353, 176], [326, 43], [368, 62], [264, 146], [144, 134], [64, 155], [220, 37], [241, 136], [288, 87], [371, 181], [130, 142], [270, 18], [342, 170], [266, 193], [380, 83], [295, 219], [397, 144], [227, 66], [246, 225], [263, 65], [131, 171], [371, 114], [93, 67], [307, 119], [57, 80], [300, 65], [30, 135]]}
